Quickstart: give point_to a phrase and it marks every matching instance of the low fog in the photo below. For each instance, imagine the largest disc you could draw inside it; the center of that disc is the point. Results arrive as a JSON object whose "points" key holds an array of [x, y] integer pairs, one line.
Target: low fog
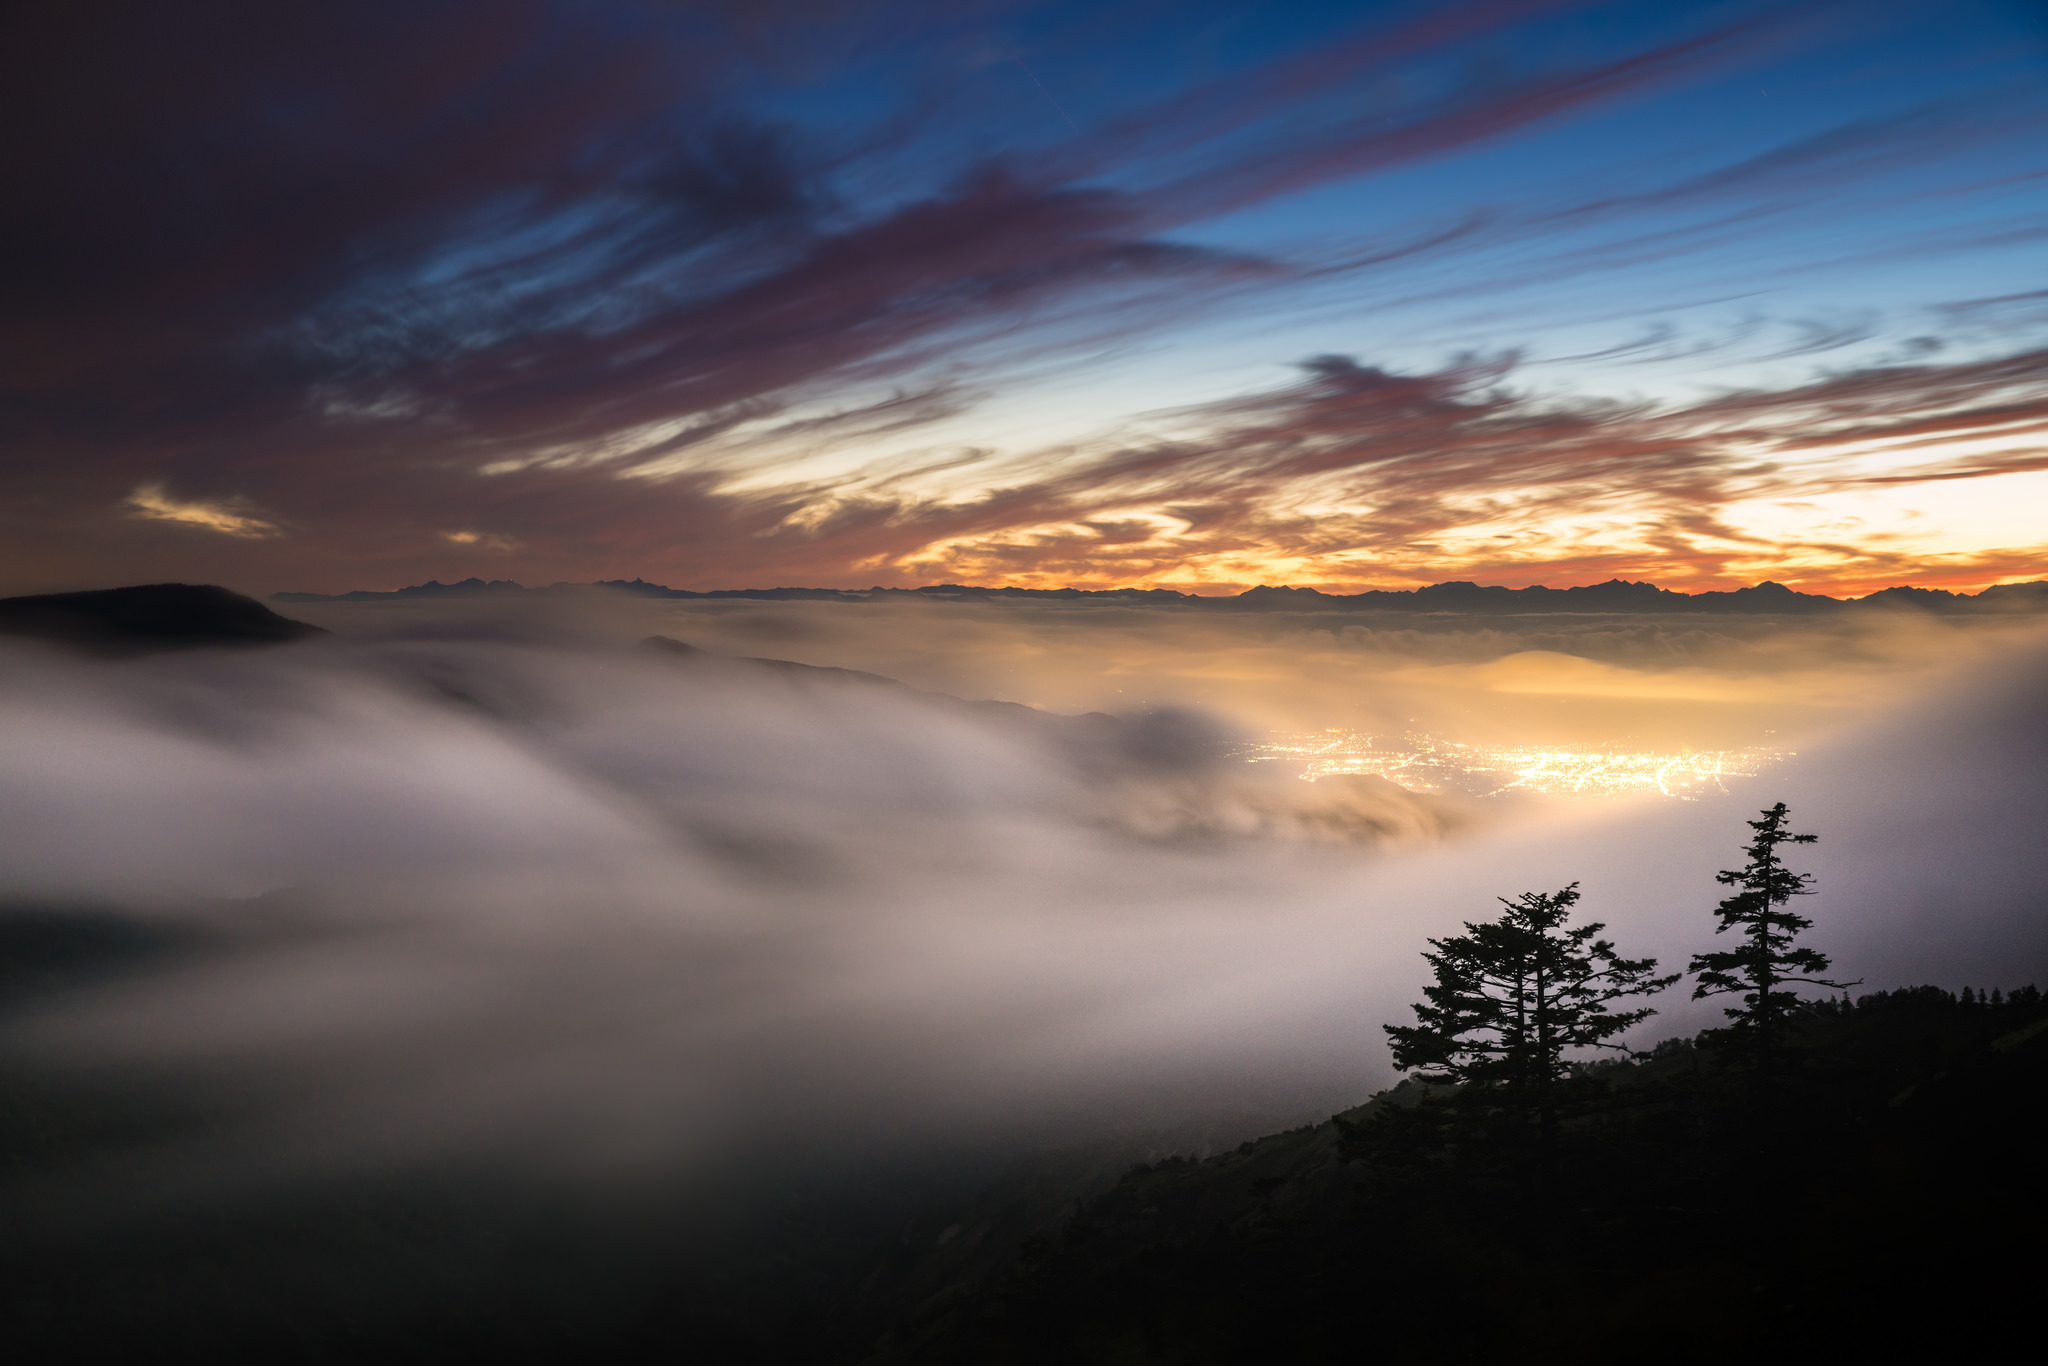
{"points": [[533, 894], [1658, 681]]}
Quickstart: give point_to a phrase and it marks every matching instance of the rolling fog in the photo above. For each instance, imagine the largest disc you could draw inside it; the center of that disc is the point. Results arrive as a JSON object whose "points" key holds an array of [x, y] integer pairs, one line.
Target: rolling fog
{"points": [[509, 887]]}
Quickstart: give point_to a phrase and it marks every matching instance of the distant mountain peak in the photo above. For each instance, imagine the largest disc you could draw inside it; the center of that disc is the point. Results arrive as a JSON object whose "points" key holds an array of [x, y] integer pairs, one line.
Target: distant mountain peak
{"points": [[1616, 595]]}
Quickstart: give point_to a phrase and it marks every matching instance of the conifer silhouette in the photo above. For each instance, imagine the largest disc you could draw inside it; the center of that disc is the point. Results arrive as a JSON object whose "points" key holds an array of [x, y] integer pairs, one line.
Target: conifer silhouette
{"points": [[1767, 962], [1514, 999]]}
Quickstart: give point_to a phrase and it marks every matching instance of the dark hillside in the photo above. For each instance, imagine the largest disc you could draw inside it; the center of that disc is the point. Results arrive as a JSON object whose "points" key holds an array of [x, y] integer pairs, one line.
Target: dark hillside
{"points": [[1902, 1209], [1896, 1198], [149, 617]]}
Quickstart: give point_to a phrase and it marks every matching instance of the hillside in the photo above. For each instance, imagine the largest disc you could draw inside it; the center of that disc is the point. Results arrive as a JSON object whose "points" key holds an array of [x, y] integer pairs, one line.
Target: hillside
{"points": [[1903, 1206], [147, 618], [1900, 1201]]}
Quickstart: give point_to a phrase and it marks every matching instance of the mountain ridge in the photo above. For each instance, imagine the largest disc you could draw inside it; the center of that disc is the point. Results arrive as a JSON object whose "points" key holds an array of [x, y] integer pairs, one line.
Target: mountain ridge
{"points": [[1457, 596]]}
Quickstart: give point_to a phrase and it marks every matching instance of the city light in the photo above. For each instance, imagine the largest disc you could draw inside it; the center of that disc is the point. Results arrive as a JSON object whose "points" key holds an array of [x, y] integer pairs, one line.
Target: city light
{"points": [[1426, 763]]}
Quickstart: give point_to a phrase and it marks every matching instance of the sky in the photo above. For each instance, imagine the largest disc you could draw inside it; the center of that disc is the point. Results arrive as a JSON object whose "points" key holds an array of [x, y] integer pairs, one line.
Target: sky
{"points": [[1199, 295]]}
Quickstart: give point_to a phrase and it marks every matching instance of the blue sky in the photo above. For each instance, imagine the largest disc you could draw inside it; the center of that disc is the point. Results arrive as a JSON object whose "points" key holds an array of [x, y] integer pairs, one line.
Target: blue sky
{"points": [[1193, 294]]}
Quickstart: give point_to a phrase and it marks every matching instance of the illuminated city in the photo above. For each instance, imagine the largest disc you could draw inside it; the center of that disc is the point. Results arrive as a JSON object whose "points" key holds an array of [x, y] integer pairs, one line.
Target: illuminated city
{"points": [[1425, 763]]}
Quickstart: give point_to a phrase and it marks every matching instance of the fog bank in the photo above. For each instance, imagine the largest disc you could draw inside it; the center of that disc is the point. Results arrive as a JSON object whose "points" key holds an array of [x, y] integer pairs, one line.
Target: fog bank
{"points": [[520, 894], [1567, 678]]}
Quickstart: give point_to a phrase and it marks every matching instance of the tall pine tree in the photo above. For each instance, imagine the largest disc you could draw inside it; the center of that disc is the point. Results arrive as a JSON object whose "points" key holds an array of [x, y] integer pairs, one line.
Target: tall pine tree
{"points": [[1514, 1000], [1767, 962]]}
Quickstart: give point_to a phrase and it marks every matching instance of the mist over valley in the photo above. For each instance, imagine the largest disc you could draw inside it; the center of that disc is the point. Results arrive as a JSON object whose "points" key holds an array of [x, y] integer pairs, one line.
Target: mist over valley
{"points": [[539, 882]]}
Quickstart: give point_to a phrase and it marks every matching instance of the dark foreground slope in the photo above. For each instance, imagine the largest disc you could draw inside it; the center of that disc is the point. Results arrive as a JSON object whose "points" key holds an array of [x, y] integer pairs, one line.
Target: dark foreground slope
{"points": [[1894, 1201], [1900, 1208], [149, 617]]}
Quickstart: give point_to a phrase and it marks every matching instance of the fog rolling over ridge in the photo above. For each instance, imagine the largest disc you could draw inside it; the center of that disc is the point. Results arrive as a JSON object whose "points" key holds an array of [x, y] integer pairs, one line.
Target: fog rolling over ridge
{"points": [[523, 889]]}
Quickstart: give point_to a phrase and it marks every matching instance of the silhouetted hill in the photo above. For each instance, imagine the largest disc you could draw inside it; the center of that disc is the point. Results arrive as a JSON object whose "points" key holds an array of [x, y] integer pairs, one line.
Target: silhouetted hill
{"points": [[432, 588], [157, 616], [1614, 596], [1901, 1216], [1893, 1204]]}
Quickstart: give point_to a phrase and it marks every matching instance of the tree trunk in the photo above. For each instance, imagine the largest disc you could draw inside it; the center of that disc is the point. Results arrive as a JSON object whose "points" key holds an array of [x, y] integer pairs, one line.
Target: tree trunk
{"points": [[1546, 1110]]}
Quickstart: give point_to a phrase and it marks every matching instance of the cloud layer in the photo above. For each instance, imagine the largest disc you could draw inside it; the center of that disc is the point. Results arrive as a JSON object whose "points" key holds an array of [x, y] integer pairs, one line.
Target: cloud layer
{"points": [[485, 895]]}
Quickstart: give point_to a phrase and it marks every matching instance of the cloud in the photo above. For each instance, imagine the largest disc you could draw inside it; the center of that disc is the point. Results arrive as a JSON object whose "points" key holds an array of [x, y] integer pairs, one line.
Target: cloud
{"points": [[374, 255], [228, 518], [1354, 470], [486, 540], [486, 893], [609, 289], [1353, 475], [2000, 313], [673, 862]]}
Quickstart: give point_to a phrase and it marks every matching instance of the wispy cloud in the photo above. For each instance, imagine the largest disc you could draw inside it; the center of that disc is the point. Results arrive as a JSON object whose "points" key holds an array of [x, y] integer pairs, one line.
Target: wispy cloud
{"points": [[229, 518], [464, 265], [1358, 475]]}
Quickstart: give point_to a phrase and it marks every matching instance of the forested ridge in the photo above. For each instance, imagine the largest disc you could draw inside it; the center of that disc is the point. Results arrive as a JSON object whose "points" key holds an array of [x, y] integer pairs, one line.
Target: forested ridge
{"points": [[1896, 1194], [1817, 1171]]}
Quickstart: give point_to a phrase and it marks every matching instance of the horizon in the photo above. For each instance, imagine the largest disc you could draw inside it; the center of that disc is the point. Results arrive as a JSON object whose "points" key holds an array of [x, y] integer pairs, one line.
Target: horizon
{"points": [[1224, 592], [1323, 590]]}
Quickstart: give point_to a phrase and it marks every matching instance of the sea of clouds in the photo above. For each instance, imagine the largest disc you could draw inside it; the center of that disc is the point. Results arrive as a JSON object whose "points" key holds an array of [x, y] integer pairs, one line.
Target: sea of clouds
{"points": [[532, 894]]}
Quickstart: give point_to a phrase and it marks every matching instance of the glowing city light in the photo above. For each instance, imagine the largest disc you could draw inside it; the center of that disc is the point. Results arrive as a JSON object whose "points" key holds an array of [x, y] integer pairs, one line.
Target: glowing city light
{"points": [[1426, 763]]}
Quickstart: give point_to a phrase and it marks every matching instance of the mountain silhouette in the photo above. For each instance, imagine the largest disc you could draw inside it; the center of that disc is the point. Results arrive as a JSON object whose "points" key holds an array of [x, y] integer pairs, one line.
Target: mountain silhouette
{"points": [[1461, 597], [148, 618]]}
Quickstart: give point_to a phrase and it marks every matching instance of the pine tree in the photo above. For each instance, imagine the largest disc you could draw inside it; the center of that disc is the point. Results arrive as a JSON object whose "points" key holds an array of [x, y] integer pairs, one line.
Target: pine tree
{"points": [[1514, 999], [1767, 963]]}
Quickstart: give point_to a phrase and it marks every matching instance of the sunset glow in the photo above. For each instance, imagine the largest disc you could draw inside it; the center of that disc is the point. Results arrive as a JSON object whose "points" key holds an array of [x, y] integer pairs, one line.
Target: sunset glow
{"points": [[1037, 295]]}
